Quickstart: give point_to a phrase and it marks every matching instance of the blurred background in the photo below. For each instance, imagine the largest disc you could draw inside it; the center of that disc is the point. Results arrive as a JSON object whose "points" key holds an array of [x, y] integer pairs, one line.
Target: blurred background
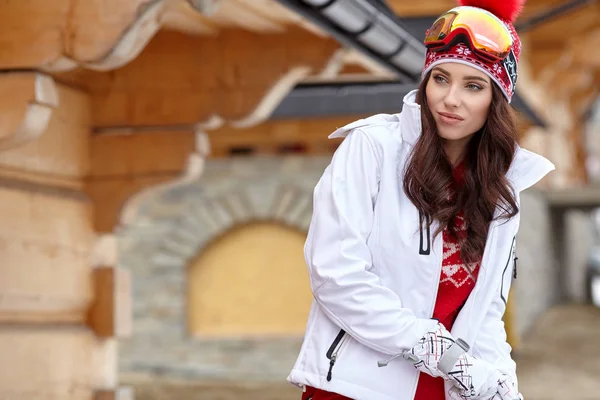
{"points": [[157, 162]]}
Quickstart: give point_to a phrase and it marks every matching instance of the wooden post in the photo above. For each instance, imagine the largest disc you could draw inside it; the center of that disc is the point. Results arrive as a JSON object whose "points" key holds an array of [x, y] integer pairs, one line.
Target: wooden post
{"points": [[110, 313]]}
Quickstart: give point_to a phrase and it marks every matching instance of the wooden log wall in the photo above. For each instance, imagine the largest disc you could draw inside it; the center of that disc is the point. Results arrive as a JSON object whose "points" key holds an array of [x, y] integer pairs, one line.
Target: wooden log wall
{"points": [[50, 346]]}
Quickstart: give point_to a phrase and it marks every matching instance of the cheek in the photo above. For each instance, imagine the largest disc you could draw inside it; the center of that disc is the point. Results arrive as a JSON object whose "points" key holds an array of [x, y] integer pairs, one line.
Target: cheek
{"points": [[432, 95], [479, 113]]}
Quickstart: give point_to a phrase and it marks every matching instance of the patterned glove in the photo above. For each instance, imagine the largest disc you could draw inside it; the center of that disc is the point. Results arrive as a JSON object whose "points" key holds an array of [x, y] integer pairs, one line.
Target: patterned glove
{"points": [[426, 354], [438, 354], [506, 391]]}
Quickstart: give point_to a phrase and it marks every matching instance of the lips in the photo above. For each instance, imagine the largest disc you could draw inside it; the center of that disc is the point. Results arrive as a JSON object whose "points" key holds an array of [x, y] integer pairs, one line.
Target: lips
{"points": [[450, 118]]}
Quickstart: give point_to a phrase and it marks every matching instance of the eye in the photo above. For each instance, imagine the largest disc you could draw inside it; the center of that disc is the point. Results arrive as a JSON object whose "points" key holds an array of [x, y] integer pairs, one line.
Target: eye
{"points": [[439, 79], [474, 87]]}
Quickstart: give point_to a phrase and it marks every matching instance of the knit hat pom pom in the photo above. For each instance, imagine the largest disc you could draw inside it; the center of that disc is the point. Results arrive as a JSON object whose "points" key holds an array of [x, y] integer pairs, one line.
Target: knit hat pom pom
{"points": [[507, 10]]}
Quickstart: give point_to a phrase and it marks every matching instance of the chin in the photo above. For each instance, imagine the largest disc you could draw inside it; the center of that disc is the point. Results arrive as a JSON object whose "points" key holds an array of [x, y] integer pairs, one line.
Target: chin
{"points": [[452, 134]]}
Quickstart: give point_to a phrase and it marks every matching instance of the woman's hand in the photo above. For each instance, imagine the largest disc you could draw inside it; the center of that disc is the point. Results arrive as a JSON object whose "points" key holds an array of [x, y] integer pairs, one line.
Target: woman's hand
{"points": [[426, 354], [475, 379], [505, 391], [438, 354]]}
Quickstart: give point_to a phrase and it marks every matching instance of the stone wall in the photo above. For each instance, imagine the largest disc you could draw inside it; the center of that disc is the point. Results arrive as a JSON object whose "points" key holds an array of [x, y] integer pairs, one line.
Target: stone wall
{"points": [[537, 285], [173, 226]]}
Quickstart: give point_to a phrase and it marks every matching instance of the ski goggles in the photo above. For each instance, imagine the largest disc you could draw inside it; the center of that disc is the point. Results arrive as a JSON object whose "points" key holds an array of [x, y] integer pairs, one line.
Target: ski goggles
{"points": [[481, 30]]}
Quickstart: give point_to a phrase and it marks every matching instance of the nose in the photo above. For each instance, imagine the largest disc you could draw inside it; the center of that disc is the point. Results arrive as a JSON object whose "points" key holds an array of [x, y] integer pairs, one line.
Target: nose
{"points": [[452, 98]]}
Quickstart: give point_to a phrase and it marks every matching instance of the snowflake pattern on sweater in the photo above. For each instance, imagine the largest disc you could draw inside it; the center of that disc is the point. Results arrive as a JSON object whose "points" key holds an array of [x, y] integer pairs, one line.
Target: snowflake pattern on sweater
{"points": [[454, 270]]}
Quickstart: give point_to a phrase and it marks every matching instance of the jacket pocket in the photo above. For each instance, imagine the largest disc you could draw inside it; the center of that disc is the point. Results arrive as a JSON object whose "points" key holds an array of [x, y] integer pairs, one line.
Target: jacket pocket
{"points": [[334, 351], [510, 271]]}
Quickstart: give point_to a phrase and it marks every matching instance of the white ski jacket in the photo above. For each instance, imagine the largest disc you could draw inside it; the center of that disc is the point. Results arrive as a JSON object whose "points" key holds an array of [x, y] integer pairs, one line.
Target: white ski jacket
{"points": [[375, 275]]}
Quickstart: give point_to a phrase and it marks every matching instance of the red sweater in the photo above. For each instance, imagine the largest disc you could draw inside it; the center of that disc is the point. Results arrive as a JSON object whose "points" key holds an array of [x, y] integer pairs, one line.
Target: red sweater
{"points": [[456, 283]]}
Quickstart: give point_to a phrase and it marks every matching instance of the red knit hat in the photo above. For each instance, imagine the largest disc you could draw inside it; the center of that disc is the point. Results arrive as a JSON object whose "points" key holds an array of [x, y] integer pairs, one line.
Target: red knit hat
{"points": [[504, 72]]}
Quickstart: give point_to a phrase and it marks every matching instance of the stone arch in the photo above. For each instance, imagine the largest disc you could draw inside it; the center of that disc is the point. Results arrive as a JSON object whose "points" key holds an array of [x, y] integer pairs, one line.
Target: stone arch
{"points": [[171, 226], [210, 217]]}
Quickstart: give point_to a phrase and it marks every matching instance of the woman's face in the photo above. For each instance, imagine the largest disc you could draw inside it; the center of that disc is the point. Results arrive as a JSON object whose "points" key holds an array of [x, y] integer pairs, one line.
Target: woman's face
{"points": [[459, 97]]}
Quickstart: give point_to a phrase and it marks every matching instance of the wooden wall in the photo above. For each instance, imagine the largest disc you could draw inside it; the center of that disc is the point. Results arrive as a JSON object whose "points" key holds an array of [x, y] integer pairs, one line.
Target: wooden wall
{"points": [[47, 291]]}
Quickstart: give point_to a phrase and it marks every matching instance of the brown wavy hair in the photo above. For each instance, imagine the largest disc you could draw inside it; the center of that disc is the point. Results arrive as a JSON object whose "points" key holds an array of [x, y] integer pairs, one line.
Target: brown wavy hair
{"points": [[429, 183]]}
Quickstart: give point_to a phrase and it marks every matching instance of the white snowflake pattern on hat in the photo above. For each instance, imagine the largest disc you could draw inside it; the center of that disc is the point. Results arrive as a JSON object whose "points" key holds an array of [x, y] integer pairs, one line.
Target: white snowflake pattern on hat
{"points": [[462, 49]]}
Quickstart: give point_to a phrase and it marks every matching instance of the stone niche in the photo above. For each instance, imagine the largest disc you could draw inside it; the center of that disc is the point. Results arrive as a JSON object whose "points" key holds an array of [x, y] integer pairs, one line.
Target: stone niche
{"points": [[171, 228]]}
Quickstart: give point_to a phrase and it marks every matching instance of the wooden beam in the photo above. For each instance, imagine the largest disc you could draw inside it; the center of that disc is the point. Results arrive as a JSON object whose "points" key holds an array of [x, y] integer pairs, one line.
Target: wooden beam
{"points": [[48, 363], [27, 106], [180, 16], [59, 155], [581, 49], [271, 9], [238, 14], [110, 312], [214, 76], [31, 32], [579, 23], [419, 9], [45, 240], [62, 34]]}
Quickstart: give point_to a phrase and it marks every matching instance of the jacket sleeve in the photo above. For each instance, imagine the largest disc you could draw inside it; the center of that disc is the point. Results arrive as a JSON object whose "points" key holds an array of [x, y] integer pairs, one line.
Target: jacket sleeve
{"points": [[339, 260], [490, 344]]}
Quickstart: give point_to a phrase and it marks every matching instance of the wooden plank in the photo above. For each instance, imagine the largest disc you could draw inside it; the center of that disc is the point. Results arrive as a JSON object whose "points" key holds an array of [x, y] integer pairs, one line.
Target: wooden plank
{"points": [[45, 242], [110, 312], [126, 154], [140, 153], [49, 363], [60, 154]]}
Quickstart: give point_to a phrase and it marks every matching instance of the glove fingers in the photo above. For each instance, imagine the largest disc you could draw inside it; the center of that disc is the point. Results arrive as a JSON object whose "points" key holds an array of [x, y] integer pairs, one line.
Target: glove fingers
{"points": [[506, 391], [455, 394]]}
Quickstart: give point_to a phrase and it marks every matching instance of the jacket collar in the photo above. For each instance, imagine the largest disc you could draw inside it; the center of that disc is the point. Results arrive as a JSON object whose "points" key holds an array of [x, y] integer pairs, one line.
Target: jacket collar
{"points": [[410, 118], [525, 171]]}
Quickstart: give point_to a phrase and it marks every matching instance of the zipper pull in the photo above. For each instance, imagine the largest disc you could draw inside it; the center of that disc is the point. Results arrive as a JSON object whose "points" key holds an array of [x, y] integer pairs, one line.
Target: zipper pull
{"points": [[515, 269], [407, 356], [331, 362]]}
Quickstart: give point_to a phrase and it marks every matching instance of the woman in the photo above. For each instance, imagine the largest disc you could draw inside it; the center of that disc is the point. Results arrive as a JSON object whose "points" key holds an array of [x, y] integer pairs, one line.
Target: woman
{"points": [[411, 245]]}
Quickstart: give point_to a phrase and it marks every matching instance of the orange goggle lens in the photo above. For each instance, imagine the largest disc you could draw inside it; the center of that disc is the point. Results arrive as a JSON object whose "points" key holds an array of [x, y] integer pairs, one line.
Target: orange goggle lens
{"points": [[486, 34]]}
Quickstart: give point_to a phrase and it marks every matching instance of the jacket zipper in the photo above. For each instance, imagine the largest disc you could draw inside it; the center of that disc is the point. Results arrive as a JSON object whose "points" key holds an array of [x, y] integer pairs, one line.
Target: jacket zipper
{"points": [[333, 351], [515, 258], [424, 251], [514, 272], [437, 285]]}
